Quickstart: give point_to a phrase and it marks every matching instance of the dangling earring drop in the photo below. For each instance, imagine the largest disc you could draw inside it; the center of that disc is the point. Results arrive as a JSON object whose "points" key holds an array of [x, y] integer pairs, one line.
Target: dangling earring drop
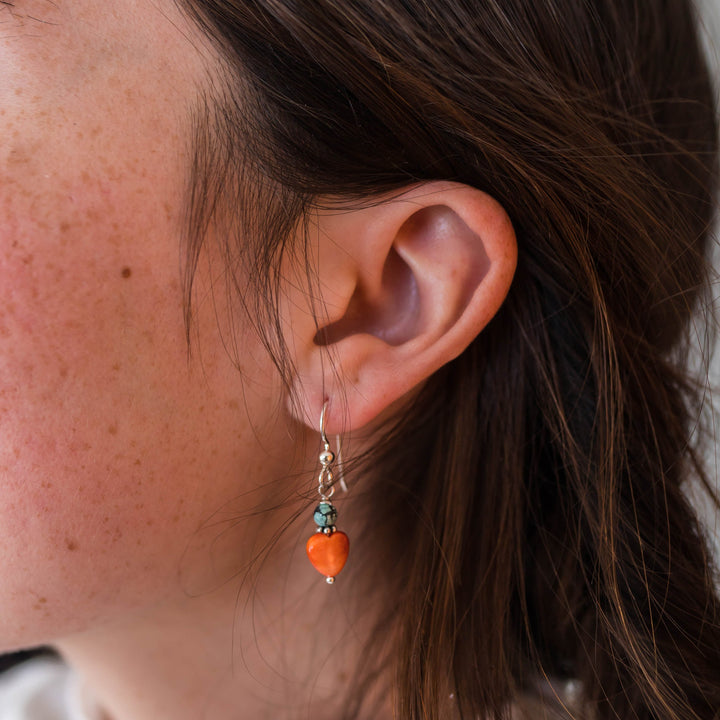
{"points": [[328, 548]]}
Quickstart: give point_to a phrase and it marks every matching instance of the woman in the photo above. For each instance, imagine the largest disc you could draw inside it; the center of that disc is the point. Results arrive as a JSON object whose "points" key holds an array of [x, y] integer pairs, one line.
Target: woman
{"points": [[472, 236]]}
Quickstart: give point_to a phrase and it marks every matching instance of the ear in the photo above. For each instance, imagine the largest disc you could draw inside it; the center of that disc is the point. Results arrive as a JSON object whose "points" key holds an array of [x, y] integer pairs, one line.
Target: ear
{"points": [[406, 284]]}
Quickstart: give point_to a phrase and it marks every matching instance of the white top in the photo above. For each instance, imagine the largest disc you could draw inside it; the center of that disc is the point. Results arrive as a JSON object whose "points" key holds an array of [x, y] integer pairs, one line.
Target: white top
{"points": [[43, 689]]}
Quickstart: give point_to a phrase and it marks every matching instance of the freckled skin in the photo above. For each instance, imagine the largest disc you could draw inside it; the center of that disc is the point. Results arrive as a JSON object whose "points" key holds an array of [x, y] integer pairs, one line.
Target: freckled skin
{"points": [[114, 448]]}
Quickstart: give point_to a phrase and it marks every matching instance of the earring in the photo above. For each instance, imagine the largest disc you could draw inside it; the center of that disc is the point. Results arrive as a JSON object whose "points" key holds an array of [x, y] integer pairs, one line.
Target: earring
{"points": [[328, 548]]}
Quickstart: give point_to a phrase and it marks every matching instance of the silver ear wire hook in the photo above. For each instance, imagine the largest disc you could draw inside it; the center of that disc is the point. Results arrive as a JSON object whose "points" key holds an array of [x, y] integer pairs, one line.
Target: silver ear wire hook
{"points": [[323, 436], [338, 445], [326, 486]]}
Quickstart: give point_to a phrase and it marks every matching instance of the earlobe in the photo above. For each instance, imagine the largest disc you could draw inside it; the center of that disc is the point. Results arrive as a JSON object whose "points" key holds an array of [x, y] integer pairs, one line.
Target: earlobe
{"points": [[407, 284]]}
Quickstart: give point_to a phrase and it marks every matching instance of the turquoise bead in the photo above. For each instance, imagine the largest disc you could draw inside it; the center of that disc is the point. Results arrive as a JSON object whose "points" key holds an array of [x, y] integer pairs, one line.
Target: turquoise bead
{"points": [[325, 515]]}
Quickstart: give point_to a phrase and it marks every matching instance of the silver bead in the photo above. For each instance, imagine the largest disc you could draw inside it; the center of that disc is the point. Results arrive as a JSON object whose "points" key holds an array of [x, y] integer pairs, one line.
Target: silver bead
{"points": [[327, 457], [329, 580], [328, 530]]}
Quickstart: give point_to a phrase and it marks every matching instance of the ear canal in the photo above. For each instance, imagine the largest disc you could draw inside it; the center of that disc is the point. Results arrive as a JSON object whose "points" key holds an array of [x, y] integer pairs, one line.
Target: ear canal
{"points": [[389, 314]]}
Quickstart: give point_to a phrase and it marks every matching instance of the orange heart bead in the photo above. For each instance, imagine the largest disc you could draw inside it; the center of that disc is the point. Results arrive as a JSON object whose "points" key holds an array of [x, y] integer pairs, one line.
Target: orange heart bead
{"points": [[328, 553]]}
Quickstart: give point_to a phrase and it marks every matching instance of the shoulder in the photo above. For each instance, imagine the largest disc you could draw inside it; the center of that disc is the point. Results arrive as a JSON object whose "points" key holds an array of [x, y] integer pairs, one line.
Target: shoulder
{"points": [[41, 689]]}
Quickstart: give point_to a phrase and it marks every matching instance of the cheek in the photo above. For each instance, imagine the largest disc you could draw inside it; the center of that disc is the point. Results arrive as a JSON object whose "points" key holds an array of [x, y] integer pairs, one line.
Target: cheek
{"points": [[71, 322], [113, 450], [101, 424]]}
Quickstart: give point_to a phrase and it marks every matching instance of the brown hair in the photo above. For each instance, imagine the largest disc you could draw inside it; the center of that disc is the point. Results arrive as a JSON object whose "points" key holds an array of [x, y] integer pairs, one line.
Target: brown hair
{"points": [[539, 477]]}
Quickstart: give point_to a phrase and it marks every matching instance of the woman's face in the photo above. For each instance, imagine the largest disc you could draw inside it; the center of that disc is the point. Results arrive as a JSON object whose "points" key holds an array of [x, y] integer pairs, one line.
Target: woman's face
{"points": [[113, 447]]}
